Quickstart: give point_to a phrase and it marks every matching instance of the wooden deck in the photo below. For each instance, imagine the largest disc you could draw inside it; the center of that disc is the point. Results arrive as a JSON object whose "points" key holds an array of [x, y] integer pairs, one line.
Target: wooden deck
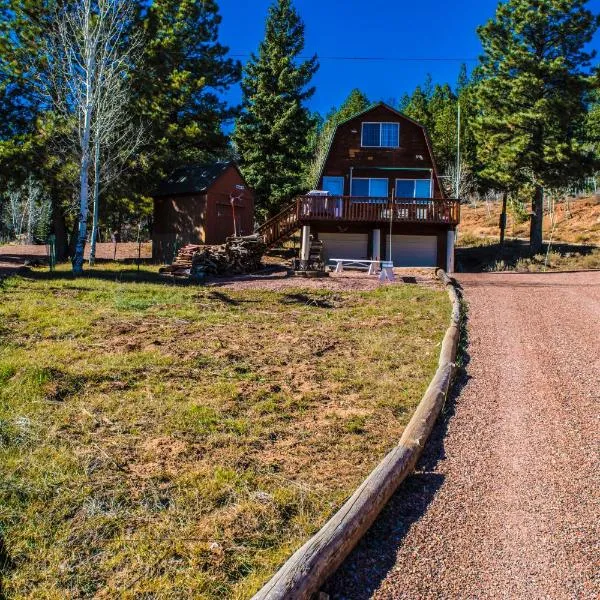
{"points": [[351, 209], [377, 210]]}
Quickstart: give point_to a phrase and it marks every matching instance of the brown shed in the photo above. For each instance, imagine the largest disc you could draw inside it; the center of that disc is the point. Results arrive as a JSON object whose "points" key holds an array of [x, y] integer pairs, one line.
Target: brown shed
{"points": [[201, 204]]}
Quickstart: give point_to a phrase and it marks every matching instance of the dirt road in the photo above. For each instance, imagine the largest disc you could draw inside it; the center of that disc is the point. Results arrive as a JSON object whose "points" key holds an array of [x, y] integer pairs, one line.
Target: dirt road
{"points": [[506, 500]]}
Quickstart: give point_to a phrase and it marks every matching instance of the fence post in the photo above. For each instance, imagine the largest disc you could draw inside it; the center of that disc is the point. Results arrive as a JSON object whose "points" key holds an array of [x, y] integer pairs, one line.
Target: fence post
{"points": [[52, 251], [175, 249]]}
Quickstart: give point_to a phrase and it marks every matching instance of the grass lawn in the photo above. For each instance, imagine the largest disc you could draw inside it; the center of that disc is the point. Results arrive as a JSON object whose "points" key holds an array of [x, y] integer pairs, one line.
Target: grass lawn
{"points": [[165, 441]]}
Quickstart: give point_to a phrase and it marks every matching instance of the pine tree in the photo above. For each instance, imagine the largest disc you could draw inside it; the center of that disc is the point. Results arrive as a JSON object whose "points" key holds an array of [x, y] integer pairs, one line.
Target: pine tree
{"points": [[273, 133], [591, 132], [465, 93], [534, 80], [592, 124], [178, 85], [356, 102], [28, 130], [417, 106], [463, 79], [22, 26], [442, 109]]}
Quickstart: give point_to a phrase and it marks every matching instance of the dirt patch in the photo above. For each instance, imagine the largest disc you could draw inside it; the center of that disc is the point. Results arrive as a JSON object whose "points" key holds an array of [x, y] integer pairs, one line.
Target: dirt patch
{"points": [[104, 251], [278, 279]]}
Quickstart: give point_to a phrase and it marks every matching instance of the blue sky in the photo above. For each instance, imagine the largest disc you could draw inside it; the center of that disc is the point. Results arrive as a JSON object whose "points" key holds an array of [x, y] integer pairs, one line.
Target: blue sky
{"points": [[417, 29]]}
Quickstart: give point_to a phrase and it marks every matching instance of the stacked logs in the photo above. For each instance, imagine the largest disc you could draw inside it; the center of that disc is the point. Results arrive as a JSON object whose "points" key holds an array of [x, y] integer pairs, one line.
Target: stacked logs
{"points": [[237, 255]]}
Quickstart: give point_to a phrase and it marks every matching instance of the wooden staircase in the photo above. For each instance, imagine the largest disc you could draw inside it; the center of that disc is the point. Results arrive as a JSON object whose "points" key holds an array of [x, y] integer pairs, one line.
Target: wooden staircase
{"points": [[281, 226]]}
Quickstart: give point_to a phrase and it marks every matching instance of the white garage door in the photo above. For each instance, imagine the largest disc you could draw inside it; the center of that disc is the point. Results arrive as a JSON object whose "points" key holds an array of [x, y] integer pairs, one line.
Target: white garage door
{"points": [[414, 250], [345, 245]]}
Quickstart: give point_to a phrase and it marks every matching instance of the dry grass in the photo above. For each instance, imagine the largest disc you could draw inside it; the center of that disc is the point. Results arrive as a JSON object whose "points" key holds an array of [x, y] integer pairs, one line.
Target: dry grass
{"points": [[576, 223], [164, 441]]}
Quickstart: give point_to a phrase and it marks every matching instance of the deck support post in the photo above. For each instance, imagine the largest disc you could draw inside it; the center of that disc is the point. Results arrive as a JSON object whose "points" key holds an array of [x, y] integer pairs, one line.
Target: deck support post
{"points": [[450, 252], [305, 248], [376, 249]]}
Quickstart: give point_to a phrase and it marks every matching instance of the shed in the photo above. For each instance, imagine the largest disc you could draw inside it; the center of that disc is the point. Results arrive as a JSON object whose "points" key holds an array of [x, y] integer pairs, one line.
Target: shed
{"points": [[200, 204]]}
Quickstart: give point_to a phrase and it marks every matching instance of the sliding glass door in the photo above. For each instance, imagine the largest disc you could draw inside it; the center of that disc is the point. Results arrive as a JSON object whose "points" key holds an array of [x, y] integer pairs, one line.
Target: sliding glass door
{"points": [[370, 188], [413, 188]]}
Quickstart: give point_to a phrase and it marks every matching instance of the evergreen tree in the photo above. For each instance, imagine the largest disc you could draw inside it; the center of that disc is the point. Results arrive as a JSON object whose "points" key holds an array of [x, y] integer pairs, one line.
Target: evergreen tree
{"points": [[273, 133], [417, 107], [463, 79], [178, 86], [530, 100], [355, 103], [22, 27], [592, 125], [442, 111], [177, 96], [465, 92], [28, 130]]}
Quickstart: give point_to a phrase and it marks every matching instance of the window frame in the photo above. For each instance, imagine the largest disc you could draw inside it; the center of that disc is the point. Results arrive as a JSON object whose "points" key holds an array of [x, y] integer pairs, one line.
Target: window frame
{"points": [[362, 133], [369, 179], [414, 180]]}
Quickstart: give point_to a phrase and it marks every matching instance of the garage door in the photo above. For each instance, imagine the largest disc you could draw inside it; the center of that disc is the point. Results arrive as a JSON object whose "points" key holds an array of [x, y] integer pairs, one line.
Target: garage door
{"points": [[345, 245], [414, 250]]}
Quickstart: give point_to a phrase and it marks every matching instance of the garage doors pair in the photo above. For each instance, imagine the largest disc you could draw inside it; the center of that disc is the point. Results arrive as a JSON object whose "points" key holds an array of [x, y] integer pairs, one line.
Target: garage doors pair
{"points": [[407, 250]]}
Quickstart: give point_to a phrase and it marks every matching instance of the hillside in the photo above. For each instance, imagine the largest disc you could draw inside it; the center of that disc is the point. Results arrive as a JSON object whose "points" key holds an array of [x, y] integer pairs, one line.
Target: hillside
{"points": [[579, 225]]}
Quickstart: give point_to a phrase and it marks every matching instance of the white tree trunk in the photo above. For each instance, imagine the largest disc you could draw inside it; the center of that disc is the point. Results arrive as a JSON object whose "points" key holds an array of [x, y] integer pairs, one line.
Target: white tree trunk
{"points": [[31, 210], [96, 201], [91, 50], [83, 192]]}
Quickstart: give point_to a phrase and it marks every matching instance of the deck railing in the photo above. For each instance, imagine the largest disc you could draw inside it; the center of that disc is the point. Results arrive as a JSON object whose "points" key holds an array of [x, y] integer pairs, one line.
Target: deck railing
{"points": [[358, 210], [281, 225], [377, 210]]}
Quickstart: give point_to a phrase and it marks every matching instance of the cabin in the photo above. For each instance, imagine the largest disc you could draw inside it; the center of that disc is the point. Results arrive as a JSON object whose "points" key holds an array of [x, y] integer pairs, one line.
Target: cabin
{"points": [[379, 196], [200, 204]]}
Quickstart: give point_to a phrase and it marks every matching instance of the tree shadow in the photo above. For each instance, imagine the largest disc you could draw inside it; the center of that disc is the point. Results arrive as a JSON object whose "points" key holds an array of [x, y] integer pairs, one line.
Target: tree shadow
{"points": [[124, 275], [476, 259], [6, 565], [221, 297], [375, 555], [308, 300]]}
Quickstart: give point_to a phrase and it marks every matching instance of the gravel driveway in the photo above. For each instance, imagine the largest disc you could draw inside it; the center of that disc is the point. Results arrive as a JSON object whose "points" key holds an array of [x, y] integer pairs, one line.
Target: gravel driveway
{"points": [[506, 501]]}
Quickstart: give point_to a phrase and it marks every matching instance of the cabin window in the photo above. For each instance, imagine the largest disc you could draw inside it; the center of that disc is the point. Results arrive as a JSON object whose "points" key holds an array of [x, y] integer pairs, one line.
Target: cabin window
{"points": [[413, 188], [370, 188], [381, 135], [333, 185]]}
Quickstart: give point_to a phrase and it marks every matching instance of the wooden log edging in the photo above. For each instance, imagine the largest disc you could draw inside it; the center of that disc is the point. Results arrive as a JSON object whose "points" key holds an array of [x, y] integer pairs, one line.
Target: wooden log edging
{"points": [[308, 568]]}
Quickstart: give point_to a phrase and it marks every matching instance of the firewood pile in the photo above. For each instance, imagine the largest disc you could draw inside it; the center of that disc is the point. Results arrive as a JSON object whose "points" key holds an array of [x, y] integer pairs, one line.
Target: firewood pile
{"points": [[238, 255]]}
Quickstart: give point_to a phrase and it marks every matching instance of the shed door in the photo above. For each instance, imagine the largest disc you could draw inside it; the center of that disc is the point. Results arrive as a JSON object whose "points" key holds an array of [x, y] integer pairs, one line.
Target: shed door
{"points": [[413, 250], [345, 245]]}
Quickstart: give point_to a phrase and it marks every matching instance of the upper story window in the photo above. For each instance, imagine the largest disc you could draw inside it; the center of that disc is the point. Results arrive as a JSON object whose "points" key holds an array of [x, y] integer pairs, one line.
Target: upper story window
{"points": [[381, 135]]}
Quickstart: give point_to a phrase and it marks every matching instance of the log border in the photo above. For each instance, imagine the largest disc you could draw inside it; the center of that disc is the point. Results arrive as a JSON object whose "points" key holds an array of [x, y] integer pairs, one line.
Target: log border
{"points": [[309, 567]]}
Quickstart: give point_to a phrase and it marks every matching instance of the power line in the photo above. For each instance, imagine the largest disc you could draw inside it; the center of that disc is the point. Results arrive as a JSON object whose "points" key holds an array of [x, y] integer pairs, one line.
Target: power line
{"points": [[378, 58]]}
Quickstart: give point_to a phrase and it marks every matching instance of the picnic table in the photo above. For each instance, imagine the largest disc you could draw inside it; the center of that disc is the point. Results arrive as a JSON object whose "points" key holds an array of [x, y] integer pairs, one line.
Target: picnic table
{"points": [[369, 265], [386, 268]]}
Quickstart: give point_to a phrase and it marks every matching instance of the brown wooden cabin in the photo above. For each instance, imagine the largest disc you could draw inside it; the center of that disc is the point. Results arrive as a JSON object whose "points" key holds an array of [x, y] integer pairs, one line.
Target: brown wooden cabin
{"points": [[384, 194], [194, 206]]}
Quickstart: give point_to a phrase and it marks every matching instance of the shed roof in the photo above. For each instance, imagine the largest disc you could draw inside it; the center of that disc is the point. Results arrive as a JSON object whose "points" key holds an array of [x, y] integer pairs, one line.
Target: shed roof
{"points": [[192, 179]]}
